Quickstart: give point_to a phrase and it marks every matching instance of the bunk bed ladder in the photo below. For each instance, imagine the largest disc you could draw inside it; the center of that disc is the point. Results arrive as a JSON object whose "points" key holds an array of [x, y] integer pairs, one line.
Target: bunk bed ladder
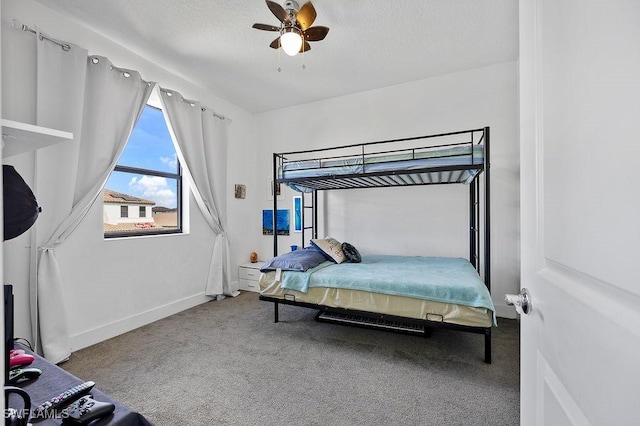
{"points": [[473, 225], [312, 206], [314, 216]]}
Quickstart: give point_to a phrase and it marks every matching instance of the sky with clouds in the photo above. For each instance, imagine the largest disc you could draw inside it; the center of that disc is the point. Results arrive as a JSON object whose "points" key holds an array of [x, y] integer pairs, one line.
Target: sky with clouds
{"points": [[149, 147]]}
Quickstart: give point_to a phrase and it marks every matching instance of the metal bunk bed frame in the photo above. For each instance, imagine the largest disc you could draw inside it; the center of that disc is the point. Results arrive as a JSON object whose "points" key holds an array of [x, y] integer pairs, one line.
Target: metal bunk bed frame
{"points": [[479, 242]]}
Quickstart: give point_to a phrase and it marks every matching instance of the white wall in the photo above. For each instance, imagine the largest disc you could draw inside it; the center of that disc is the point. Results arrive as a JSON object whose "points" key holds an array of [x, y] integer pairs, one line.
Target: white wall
{"points": [[429, 220], [116, 285]]}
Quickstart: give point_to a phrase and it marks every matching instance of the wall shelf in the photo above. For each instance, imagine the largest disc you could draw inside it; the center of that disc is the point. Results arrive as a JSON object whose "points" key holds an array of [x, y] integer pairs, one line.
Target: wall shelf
{"points": [[18, 138]]}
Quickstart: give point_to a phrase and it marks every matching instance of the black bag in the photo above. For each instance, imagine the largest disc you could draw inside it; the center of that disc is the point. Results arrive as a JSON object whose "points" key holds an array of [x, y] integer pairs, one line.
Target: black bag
{"points": [[20, 206]]}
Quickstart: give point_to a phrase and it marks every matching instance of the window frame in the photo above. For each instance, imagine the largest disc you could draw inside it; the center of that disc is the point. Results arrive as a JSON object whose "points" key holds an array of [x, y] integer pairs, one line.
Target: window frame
{"points": [[148, 172], [182, 204]]}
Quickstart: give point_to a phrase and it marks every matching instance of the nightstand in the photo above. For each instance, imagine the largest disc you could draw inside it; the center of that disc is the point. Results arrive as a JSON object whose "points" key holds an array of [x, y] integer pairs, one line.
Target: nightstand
{"points": [[248, 275]]}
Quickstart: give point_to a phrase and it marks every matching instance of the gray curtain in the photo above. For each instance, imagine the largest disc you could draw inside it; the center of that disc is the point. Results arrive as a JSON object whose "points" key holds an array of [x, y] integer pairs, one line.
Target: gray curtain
{"points": [[202, 145], [60, 82], [106, 107]]}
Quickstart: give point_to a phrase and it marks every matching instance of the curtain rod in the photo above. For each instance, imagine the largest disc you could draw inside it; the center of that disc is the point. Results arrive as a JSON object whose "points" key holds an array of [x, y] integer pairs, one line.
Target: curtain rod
{"points": [[221, 117], [192, 103], [65, 46]]}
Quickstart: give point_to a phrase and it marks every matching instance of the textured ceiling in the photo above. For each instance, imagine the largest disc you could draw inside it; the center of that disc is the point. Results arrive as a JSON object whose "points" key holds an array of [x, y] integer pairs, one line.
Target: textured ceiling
{"points": [[371, 43]]}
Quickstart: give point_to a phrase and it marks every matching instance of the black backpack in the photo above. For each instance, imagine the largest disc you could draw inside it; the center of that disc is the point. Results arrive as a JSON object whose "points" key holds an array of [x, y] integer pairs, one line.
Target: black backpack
{"points": [[20, 206]]}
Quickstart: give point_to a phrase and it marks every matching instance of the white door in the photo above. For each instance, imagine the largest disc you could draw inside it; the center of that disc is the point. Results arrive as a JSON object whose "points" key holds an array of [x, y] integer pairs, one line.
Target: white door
{"points": [[580, 211]]}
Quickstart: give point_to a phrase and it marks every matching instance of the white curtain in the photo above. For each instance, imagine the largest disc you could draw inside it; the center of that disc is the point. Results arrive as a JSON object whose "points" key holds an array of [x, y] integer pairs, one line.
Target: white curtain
{"points": [[59, 100], [202, 142], [111, 101]]}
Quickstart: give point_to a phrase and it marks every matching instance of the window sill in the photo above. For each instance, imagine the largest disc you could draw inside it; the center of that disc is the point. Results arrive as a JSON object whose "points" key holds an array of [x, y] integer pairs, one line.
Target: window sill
{"points": [[132, 237]]}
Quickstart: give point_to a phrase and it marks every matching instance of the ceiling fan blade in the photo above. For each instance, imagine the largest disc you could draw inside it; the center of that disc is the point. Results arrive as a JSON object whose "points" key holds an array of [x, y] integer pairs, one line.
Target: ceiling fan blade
{"points": [[265, 27], [278, 11], [315, 33], [305, 47], [306, 15], [275, 43]]}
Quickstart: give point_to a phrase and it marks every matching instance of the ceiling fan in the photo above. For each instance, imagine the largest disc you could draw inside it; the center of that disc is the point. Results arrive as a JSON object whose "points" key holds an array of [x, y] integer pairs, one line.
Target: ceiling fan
{"points": [[295, 27]]}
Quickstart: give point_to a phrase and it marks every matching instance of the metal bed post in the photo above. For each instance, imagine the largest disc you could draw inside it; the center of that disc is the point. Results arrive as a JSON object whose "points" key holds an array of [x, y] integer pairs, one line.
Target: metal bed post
{"points": [[302, 209], [487, 237], [487, 212], [275, 205], [275, 222]]}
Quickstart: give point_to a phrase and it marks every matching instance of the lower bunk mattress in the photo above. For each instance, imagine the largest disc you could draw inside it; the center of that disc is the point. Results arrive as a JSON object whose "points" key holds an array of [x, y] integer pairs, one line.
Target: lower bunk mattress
{"points": [[373, 286]]}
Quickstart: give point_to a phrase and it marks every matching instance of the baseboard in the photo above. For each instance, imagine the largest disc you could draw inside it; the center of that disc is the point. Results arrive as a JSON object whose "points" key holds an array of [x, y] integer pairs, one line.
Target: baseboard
{"points": [[107, 331]]}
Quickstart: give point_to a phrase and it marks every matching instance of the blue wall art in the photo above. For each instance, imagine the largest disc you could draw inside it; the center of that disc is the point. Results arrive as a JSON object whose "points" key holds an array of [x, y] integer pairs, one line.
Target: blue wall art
{"points": [[297, 214], [282, 222]]}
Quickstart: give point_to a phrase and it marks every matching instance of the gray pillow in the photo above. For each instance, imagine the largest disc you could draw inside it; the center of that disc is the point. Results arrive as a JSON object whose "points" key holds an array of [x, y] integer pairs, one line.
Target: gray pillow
{"points": [[351, 253], [297, 260], [331, 248]]}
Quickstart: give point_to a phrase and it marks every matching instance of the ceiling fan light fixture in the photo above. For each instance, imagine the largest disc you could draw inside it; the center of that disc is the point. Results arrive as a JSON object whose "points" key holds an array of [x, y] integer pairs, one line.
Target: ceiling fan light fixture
{"points": [[295, 30], [291, 41]]}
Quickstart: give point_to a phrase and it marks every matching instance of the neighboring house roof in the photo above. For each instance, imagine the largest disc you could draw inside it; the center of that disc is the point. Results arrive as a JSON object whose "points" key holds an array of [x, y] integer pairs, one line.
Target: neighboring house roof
{"points": [[161, 209], [113, 197]]}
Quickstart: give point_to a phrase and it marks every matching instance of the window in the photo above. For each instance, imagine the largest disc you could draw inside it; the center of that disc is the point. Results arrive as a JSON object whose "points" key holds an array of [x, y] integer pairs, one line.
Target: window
{"points": [[147, 179]]}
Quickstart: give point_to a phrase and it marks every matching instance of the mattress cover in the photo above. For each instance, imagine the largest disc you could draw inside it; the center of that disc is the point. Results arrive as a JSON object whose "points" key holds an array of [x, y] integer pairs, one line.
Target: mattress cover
{"points": [[442, 279], [452, 282], [379, 303]]}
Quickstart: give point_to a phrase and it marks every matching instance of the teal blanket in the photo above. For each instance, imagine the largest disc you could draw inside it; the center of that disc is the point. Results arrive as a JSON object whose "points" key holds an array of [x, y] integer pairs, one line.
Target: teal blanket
{"points": [[443, 279]]}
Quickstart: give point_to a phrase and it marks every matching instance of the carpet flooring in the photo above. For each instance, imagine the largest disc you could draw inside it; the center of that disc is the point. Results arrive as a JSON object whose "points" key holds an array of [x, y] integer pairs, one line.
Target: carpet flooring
{"points": [[227, 363]]}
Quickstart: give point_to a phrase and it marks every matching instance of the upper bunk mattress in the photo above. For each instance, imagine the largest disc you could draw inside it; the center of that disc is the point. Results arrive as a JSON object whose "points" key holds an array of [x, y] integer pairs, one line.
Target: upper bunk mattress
{"points": [[463, 156]]}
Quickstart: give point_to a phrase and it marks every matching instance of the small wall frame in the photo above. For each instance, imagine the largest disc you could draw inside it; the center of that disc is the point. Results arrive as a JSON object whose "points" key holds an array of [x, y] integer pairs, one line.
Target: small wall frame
{"points": [[240, 190], [297, 214]]}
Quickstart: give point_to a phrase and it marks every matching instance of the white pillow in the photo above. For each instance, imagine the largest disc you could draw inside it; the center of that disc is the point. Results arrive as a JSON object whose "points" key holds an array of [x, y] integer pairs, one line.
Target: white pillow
{"points": [[331, 247]]}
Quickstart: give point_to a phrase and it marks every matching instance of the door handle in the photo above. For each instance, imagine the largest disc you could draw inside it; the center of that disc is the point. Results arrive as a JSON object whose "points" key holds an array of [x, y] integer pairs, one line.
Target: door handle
{"points": [[521, 301]]}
